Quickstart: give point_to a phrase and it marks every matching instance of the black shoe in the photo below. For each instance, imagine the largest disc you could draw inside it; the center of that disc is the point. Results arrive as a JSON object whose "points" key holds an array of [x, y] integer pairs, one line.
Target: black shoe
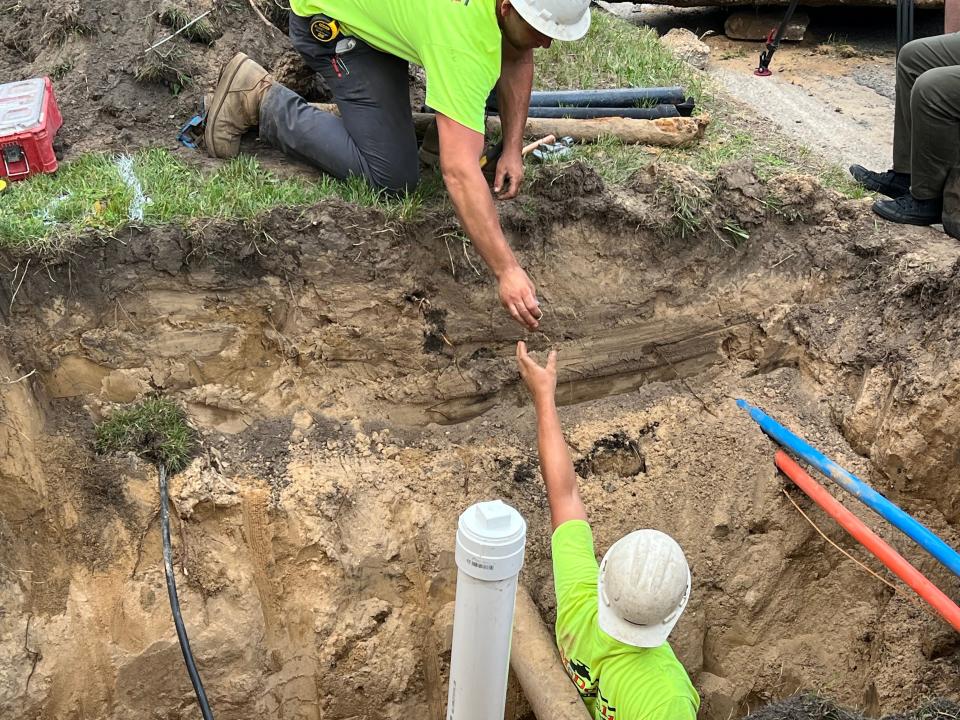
{"points": [[890, 183], [908, 210]]}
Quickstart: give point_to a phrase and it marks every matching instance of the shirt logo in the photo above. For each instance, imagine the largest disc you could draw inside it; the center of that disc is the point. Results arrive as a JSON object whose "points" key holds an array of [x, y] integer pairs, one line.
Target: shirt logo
{"points": [[607, 711], [580, 675]]}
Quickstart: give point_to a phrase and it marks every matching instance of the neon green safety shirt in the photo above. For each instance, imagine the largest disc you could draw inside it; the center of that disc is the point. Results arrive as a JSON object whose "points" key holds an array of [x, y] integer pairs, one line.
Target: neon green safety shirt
{"points": [[616, 681], [456, 42]]}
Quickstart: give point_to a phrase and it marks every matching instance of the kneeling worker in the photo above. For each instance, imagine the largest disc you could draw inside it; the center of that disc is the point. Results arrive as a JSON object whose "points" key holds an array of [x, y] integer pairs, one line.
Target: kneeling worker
{"points": [[613, 619], [362, 48]]}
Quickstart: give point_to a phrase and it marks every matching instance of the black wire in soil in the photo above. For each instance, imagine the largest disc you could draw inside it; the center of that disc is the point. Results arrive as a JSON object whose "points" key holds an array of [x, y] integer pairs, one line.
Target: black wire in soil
{"points": [[175, 602]]}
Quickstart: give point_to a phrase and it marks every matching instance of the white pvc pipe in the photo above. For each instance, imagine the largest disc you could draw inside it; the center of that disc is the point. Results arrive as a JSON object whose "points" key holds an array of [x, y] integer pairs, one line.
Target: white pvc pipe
{"points": [[490, 543]]}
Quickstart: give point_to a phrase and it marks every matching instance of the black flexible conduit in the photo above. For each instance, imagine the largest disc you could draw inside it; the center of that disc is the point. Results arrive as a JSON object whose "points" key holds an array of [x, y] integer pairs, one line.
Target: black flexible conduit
{"points": [[174, 601]]}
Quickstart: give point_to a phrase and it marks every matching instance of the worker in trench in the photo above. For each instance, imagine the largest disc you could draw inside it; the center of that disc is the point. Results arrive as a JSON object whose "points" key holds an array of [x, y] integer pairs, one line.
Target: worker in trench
{"points": [[613, 619], [923, 184], [362, 48]]}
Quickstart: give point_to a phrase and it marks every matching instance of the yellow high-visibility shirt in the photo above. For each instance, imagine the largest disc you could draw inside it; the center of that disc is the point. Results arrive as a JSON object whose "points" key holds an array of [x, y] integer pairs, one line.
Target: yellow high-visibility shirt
{"points": [[456, 42], [615, 680]]}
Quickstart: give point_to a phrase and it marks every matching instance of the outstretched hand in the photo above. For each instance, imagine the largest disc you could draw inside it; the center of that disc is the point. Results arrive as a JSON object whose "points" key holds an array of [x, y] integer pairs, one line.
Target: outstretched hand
{"points": [[541, 381], [519, 297]]}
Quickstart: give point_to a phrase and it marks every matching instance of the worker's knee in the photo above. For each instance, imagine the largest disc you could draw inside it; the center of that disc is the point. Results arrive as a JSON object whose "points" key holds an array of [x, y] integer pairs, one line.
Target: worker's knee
{"points": [[397, 181], [926, 87], [909, 56]]}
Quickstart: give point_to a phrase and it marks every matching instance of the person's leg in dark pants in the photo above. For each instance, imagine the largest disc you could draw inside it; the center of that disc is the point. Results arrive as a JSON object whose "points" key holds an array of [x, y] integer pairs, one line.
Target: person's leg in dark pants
{"points": [[373, 137], [935, 132], [934, 147], [915, 58]]}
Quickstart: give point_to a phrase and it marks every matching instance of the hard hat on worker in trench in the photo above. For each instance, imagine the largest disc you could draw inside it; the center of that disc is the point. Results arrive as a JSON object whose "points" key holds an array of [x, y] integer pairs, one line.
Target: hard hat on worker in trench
{"points": [[643, 588], [558, 19]]}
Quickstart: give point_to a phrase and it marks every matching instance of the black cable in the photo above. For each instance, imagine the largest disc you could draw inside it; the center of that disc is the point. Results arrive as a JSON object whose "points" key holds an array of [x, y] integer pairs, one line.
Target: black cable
{"points": [[904, 23], [174, 601]]}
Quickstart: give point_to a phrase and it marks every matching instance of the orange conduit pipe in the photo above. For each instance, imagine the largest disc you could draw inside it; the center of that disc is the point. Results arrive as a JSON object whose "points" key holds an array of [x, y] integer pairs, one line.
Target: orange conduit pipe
{"points": [[918, 582]]}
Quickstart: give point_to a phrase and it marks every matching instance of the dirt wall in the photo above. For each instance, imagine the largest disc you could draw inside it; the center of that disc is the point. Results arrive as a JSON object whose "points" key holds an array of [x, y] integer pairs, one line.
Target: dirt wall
{"points": [[355, 391]]}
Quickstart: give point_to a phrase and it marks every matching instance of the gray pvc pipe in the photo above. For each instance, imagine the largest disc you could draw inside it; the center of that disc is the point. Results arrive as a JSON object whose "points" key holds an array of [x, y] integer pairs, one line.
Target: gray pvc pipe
{"points": [[536, 662]]}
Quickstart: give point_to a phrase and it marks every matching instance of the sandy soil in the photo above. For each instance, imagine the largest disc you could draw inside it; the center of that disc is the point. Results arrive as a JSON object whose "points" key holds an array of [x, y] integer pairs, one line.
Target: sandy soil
{"points": [[355, 391], [352, 380]]}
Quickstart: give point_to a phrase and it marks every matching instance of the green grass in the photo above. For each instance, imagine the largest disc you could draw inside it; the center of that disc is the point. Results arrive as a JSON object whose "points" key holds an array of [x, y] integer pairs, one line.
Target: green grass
{"points": [[200, 31], [90, 193], [616, 54], [156, 429]]}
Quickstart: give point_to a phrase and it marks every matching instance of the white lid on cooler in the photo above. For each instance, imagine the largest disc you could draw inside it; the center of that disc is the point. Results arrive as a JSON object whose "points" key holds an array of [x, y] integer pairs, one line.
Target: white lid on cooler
{"points": [[21, 105]]}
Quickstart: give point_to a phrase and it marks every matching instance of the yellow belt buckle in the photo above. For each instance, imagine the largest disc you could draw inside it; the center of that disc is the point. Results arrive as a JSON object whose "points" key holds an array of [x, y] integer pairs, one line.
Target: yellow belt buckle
{"points": [[324, 29]]}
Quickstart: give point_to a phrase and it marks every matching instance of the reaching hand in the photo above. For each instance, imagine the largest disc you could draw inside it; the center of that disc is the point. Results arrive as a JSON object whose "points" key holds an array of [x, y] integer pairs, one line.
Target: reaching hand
{"points": [[519, 297], [541, 381], [509, 175]]}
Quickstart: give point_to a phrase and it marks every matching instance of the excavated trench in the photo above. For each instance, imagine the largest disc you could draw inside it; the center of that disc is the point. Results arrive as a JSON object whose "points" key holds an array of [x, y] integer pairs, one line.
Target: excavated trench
{"points": [[353, 383]]}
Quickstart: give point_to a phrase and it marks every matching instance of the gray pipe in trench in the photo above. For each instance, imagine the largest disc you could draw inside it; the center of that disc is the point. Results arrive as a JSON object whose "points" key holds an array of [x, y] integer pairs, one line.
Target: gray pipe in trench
{"points": [[536, 662]]}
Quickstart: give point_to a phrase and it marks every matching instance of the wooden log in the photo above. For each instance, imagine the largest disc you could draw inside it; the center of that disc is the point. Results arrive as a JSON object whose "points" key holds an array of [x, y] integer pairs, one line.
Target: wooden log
{"points": [[536, 662], [667, 132]]}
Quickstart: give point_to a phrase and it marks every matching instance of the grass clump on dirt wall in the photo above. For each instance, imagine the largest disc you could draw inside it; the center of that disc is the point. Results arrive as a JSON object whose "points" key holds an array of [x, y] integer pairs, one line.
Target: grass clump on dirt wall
{"points": [[155, 429]]}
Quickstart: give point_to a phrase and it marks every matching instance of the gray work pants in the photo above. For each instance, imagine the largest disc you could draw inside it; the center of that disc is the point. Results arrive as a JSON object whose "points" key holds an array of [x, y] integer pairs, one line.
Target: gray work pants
{"points": [[373, 137], [926, 136]]}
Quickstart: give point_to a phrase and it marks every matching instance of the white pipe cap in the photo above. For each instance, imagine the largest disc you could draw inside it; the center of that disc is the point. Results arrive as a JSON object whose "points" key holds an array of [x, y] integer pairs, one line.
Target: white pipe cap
{"points": [[490, 541]]}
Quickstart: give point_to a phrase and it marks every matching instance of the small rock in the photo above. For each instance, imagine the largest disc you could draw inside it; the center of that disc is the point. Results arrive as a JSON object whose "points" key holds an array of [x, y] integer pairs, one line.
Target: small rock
{"points": [[296, 436], [302, 420], [687, 47]]}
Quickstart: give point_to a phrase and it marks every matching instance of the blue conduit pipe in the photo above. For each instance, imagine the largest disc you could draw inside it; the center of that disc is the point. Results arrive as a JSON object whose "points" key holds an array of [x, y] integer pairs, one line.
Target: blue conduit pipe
{"points": [[174, 600], [917, 532]]}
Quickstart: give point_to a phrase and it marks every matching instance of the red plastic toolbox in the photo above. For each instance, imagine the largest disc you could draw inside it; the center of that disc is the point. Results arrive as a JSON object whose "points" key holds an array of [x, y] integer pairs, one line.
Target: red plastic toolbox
{"points": [[29, 120]]}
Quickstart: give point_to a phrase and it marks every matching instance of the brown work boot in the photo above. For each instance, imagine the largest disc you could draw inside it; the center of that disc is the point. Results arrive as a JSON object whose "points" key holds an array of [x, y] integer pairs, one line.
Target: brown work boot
{"points": [[235, 107], [430, 147]]}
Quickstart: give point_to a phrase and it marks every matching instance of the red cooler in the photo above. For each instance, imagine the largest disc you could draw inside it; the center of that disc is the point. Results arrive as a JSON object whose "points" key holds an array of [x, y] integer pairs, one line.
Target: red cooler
{"points": [[29, 120]]}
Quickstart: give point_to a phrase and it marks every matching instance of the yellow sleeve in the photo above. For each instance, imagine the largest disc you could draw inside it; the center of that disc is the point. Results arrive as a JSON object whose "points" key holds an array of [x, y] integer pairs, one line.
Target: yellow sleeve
{"points": [[575, 566]]}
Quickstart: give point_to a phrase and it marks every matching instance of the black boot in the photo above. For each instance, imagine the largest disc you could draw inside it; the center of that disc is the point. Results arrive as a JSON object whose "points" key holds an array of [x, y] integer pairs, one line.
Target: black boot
{"points": [[890, 183], [908, 210]]}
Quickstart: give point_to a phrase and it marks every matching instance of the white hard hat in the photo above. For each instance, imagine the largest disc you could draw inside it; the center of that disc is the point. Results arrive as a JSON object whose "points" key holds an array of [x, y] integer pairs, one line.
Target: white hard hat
{"points": [[558, 19], [643, 588]]}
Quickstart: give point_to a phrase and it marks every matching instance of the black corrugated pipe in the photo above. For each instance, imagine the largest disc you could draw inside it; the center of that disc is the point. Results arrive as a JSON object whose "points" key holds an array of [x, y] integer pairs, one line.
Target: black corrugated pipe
{"points": [[582, 113], [175, 602], [614, 98]]}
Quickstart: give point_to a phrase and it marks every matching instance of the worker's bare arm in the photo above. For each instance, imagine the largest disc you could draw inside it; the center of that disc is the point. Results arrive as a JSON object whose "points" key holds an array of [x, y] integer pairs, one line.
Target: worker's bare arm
{"points": [[460, 149], [951, 16], [556, 466], [513, 98]]}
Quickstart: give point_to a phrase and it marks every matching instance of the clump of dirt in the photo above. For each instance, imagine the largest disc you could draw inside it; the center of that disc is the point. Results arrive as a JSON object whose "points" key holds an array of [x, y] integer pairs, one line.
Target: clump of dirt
{"points": [[355, 390]]}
